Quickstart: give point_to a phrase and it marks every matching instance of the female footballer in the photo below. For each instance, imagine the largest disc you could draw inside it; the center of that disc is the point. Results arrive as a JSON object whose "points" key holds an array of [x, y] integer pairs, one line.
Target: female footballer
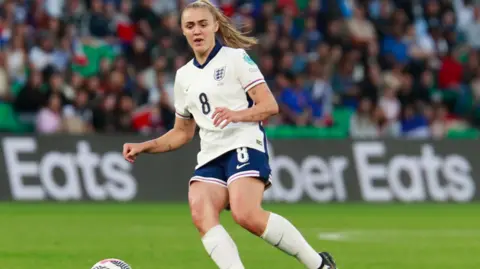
{"points": [[223, 92]]}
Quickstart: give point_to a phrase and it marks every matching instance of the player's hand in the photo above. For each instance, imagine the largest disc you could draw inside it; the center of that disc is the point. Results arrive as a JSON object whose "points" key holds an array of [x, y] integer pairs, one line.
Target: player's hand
{"points": [[223, 116], [131, 151]]}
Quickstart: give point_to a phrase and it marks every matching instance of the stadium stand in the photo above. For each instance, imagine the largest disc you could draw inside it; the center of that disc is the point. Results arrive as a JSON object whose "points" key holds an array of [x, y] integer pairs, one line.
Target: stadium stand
{"points": [[361, 69]]}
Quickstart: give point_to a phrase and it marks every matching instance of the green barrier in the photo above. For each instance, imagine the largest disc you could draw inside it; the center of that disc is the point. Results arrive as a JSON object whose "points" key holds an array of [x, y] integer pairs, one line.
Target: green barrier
{"points": [[292, 132], [470, 133], [9, 121]]}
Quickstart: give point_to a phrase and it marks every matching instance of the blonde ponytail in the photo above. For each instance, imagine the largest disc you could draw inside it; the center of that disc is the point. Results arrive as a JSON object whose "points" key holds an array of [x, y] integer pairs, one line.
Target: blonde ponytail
{"points": [[227, 31]]}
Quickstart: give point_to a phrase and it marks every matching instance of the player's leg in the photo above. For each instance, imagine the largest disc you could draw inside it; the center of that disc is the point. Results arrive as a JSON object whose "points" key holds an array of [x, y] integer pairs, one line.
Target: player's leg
{"points": [[206, 202], [245, 201], [207, 197], [249, 174]]}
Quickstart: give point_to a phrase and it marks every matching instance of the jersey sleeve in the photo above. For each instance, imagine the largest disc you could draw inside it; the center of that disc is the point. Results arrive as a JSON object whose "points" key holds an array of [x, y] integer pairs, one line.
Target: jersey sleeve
{"points": [[247, 71], [181, 110]]}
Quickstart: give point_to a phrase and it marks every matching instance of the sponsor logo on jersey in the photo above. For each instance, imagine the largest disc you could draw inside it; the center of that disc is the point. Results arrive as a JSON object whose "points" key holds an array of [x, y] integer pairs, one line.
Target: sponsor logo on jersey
{"points": [[248, 60], [242, 165]]}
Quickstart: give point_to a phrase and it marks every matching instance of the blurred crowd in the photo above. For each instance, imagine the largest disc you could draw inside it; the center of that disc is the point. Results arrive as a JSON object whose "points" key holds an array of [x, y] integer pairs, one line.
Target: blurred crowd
{"points": [[406, 68]]}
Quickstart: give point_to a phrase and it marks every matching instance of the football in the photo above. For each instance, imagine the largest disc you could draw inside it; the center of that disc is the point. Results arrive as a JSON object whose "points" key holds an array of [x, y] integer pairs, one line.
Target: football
{"points": [[111, 264]]}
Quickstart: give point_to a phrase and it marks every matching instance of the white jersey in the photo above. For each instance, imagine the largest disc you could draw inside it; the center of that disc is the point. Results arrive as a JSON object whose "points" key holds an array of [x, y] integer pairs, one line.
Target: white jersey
{"points": [[223, 81]]}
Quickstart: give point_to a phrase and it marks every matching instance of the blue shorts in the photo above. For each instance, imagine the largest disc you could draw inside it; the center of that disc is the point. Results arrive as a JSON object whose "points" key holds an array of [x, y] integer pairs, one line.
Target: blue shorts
{"points": [[235, 164]]}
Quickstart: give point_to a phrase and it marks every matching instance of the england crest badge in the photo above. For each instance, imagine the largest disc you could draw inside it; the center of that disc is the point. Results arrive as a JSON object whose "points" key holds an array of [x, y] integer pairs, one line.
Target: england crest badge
{"points": [[219, 73]]}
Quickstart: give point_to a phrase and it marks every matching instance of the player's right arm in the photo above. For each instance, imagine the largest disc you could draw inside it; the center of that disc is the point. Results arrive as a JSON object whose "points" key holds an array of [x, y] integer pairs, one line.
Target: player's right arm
{"points": [[182, 132], [184, 128]]}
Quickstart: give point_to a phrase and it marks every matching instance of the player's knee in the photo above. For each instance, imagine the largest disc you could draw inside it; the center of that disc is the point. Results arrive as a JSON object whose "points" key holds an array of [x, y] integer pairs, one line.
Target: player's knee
{"points": [[244, 217], [203, 213], [198, 208]]}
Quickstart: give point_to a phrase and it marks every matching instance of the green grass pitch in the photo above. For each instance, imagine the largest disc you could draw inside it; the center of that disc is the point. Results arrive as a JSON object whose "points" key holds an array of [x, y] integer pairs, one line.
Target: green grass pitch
{"points": [[161, 236]]}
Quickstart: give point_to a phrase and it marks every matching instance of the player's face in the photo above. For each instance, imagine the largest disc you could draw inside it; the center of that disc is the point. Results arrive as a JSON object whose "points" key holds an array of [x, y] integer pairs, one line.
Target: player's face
{"points": [[199, 27]]}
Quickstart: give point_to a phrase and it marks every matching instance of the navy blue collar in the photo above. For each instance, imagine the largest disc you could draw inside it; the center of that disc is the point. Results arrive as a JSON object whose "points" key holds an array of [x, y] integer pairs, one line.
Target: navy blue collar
{"points": [[212, 55]]}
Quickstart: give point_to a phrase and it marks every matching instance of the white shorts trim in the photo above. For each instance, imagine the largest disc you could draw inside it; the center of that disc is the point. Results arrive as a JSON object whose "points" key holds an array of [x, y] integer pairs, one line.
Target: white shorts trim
{"points": [[250, 173], [269, 183], [208, 180]]}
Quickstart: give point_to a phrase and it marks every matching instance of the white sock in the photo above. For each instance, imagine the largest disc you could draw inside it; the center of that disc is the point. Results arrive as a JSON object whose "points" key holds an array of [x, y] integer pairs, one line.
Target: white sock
{"points": [[222, 249], [283, 235]]}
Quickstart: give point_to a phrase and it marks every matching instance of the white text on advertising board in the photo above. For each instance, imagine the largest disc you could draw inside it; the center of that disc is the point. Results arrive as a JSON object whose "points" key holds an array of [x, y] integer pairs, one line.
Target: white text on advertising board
{"points": [[379, 177], [81, 168]]}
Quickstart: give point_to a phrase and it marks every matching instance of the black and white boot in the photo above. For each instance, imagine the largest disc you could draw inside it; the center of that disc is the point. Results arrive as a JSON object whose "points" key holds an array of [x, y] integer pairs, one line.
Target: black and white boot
{"points": [[327, 261]]}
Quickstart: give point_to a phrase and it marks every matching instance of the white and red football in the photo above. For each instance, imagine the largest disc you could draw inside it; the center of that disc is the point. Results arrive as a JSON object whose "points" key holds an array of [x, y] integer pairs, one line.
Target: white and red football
{"points": [[111, 264]]}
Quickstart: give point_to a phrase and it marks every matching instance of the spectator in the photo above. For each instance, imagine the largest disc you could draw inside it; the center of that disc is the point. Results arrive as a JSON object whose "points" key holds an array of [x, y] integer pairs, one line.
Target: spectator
{"points": [[300, 59], [312, 36], [62, 55], [423, 88], [31, 98], [140, 93], [77, 81], [472, 30], [5, 94], [267, 66], [362, 124], [79, 114], [405, 93], [149, 121], [42, 55], [322, 98], [475, 86], [394, 47], [99, 23], [75, 13], [390, 105], [416, 49], [116, 83], [124, 114], [145, 18], [344, 84], [294, 100], [93, 87], [385, 127], [414, 124], [103, 120], [464, 13], [164, 7], [433, 44], [371, 84], [383, 21], [393, 78], [5, 31], [451, 72], [165, 49], [16, 60], [49, 118], [361, 30], [123, 24], [54, 7], [139, 55], [439, 125], [56, 86]]}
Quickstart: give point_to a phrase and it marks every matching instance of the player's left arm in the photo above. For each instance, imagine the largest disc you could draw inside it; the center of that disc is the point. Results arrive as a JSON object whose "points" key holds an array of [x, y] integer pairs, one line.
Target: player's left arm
{"points": [[264, 107]]}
